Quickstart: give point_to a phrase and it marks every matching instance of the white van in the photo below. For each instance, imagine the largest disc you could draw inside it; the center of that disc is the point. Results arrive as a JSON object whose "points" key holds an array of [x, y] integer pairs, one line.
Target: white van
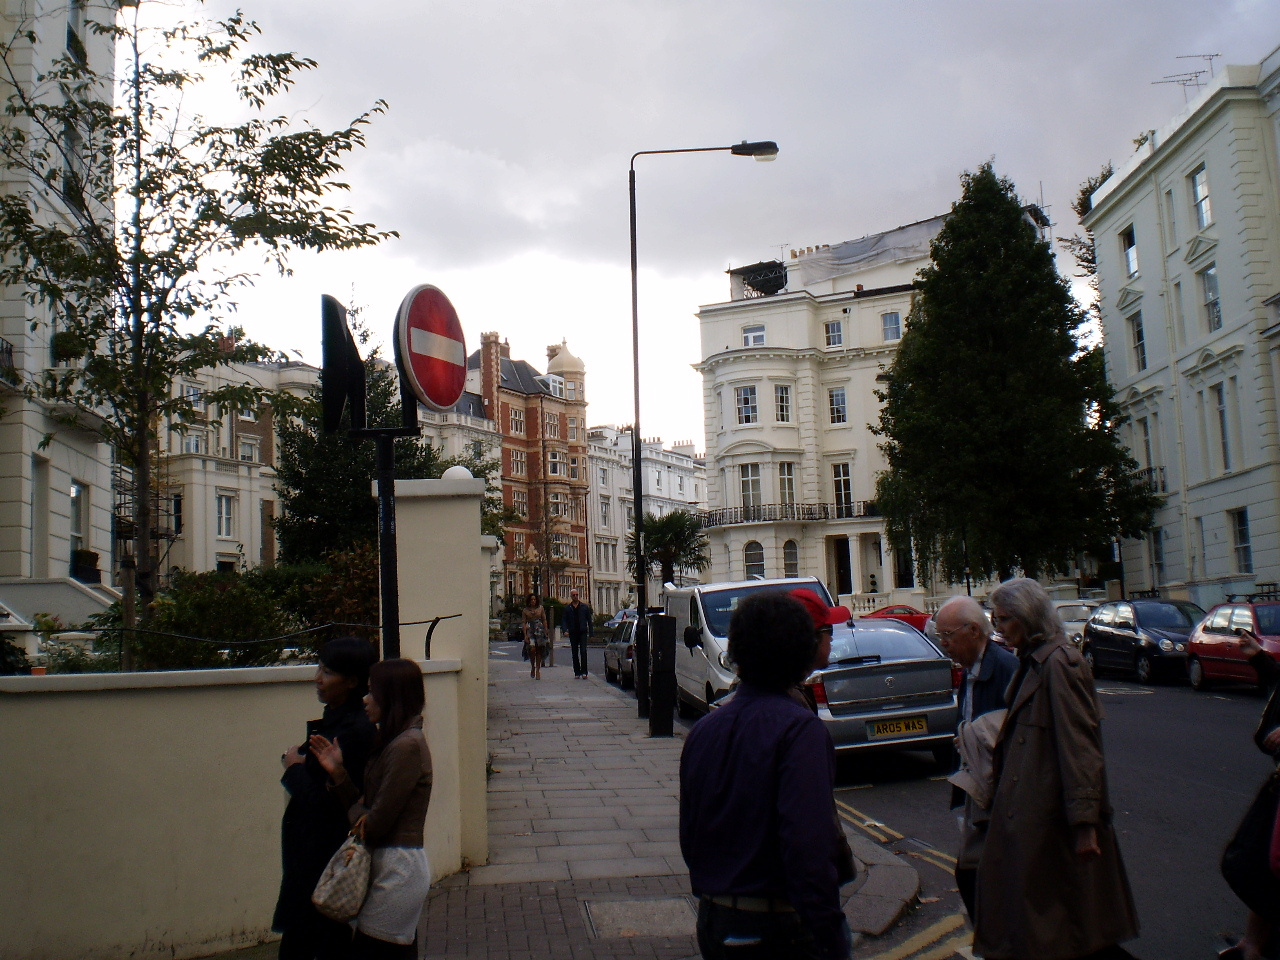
{"points": [[702, 613]]}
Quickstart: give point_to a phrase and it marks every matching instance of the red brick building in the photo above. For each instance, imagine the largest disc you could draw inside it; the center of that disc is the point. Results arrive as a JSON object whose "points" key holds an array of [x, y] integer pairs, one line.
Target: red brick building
{"points": [[543, 422]]}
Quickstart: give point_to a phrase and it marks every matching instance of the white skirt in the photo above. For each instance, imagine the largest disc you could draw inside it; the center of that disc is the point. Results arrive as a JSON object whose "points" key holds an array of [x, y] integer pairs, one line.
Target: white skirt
{"points": [[398, 886]]}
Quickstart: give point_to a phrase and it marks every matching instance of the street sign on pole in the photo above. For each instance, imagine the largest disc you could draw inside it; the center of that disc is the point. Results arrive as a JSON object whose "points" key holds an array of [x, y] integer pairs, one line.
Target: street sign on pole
{"points": [[430, 350]]}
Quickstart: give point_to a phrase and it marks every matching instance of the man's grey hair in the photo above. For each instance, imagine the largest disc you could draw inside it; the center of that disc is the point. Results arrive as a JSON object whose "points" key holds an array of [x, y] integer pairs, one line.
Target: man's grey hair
{"points": [[968, 610], [1028, 603]]}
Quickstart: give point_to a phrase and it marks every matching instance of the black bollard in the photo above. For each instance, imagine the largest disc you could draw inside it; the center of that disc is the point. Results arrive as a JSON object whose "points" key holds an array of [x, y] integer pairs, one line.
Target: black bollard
{"points": [[641, 640], [662, 675]]}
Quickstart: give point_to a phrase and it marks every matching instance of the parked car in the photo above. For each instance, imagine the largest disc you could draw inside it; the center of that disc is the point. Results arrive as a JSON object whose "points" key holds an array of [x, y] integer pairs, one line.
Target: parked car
{"points": [[619, 655], [903, 612], [702, 612], [1074, 614], [1145, 637], [618, 617], [887, 688], [1212, 651]]}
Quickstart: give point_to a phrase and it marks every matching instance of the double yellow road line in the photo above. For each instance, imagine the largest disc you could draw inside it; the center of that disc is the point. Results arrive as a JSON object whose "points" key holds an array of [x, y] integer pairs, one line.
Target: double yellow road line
{"points": [[883, 833]]}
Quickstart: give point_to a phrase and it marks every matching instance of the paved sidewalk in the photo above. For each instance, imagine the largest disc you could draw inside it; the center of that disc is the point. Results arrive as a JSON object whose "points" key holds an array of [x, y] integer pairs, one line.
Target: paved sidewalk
{"points": [[583, 819]]}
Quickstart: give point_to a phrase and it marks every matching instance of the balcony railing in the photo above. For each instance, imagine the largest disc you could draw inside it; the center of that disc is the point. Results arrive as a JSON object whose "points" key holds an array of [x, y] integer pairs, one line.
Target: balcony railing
{"points": [[1153, 477], [8, 372], [789, 513]]}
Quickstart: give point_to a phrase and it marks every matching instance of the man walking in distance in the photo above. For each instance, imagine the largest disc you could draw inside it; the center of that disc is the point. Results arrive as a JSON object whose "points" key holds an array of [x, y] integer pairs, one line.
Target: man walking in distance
{"points": [[577, 621], [964, 633], [757, 808]]}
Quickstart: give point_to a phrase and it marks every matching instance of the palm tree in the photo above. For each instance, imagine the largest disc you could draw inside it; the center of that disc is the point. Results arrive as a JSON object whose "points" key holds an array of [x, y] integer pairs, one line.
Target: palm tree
{"points": [[674, 541]]}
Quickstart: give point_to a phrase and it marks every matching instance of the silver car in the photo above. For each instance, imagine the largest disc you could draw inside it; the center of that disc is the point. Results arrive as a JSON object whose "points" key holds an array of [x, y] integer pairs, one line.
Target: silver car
{"points": [[1074, 614], [888, 687], [619, 656]]}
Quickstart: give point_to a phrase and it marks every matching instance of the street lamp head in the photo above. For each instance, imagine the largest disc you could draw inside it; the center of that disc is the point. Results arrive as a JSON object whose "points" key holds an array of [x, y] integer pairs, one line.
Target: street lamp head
{"points": [[760, 149]]}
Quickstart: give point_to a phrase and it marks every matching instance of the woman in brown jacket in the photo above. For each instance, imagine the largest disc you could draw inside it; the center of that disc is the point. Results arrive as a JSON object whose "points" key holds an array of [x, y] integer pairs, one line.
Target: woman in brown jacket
{"points": [[1051, 884], [392, 811]]}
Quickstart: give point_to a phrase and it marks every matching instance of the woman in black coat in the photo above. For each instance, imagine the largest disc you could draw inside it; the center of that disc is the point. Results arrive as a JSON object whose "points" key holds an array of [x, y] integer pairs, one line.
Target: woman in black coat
{"points": [[315, 821]]}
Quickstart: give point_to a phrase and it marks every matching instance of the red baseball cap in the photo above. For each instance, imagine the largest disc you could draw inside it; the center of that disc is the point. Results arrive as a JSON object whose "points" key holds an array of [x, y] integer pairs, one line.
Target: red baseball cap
{"points": [[823, 616]]}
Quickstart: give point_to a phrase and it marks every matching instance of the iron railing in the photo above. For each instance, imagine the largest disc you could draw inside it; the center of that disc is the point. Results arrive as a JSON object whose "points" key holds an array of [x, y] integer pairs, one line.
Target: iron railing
{"points": [[788, 513], [1153, 477], [8, 371]]}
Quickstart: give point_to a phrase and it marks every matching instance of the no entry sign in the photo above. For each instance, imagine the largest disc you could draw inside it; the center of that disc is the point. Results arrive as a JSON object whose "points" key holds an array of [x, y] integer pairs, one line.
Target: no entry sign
{"points": [[430, 348]]}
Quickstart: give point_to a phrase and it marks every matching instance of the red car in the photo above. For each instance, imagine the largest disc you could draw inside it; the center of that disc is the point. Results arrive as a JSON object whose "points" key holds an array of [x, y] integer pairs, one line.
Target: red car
{"points": [[1213, 653], [903, 612]]}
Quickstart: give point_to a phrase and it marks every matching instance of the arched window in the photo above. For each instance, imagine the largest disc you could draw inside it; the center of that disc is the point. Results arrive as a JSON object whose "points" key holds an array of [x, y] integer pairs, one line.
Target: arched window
{"points": [[791, 559], [753, 557]]}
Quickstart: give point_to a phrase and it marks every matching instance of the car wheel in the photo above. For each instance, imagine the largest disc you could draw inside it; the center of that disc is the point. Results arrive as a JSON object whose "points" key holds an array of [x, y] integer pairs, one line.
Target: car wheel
{"points": [[1195, 670], [626, 680], [1144, 669], [1091, 660], [610, 675], [684, 710]]}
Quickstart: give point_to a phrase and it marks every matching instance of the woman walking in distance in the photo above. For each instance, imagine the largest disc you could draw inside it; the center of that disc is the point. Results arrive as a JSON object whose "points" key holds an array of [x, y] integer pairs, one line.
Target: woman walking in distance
{"points": [[536, 634], [1051, 884], [397, 788], [315, 821]]}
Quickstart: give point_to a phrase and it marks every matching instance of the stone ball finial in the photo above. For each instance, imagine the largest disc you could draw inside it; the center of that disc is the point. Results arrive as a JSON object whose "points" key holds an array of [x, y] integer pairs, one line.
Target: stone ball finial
{"points": [[457, 472]]}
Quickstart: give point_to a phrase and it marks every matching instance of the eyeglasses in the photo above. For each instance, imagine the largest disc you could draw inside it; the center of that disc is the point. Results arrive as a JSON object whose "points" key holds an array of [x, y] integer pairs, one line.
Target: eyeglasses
{"points": [[946, 635]]}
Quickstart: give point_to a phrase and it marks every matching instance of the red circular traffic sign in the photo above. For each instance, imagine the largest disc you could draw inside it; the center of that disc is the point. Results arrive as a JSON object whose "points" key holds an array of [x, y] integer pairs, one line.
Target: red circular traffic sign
{"points": [[431, 349]]}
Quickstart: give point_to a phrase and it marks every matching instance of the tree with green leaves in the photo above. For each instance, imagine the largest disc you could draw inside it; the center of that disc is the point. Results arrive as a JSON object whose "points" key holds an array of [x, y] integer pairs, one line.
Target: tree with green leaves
{"points": [[324, 480], [127, 211], [1081, 246], [999, 429], [674, 541]]}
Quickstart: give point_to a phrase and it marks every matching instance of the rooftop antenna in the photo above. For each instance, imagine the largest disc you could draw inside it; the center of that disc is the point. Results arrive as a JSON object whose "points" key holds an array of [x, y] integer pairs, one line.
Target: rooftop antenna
{"points": [[1185, 80], [1206, 57], [782, 249]]}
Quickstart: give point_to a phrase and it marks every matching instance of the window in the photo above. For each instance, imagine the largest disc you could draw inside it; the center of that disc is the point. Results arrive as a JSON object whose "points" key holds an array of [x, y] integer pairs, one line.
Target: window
{"points": [[517, 421], [891, 325], [1239, 522], [477, 450], [843, 484], [551, 426], [1218, 393], [1200, 197], [835, 400], [519, 547], [573, 428], [1204, 547], [604, 512], [1155, 543], [520, 502], [250, 415], [573, 468], [75, 32], [1179, 320], [519, 465], [555, 463], [1139, 341], [604, 478], [571, 389], [835, 333], [79, 510], [1209, 290], [657, 479], [679, 484], [1129, 247], [753, 336], [782, 403], [248, 451], [748, 410], [753, 559], [1170, 210], [556, 504], [555, 385], [749, 483], [791, 559], [786, 482], [177, 514], [226, 515], [195, 395], [193, 443], [631, 516]]}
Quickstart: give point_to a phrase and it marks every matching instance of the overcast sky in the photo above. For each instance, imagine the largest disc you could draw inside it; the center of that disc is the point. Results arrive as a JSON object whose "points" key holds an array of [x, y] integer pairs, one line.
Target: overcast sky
{"points": [[502, 161]]}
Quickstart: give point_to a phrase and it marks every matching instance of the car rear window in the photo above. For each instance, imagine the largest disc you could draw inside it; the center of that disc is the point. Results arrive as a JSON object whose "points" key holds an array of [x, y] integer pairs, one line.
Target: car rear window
{"points": [[1168, 615], [1077, 611], [885, 639], [1268, 615], [718, 605]]}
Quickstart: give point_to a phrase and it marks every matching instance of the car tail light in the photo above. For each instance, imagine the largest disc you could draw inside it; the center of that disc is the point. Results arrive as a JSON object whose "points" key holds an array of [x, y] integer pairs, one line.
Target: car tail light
{"points": [[819, 691], [957, 676]]}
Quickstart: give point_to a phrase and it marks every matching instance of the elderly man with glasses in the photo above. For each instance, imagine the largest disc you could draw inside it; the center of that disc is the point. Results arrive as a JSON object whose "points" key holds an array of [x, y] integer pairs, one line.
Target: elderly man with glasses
{"points": [[964, 633]]}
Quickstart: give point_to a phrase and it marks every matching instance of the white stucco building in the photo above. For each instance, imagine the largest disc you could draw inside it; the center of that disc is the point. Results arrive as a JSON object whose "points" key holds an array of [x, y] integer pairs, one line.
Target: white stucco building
{"points": [[1188, 248]]}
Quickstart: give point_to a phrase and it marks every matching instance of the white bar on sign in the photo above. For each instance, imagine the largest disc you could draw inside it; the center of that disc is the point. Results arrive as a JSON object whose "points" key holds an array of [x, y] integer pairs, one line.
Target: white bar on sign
{"points": [[433, 345]]}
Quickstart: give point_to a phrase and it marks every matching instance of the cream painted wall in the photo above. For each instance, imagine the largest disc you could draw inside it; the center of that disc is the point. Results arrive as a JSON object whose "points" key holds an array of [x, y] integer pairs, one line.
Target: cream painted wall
{"points": [[444, 570], [141, 812]]}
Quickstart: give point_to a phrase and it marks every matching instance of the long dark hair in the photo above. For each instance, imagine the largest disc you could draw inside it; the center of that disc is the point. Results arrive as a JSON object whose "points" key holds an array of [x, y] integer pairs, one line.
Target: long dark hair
{"points": [[397, 687]]}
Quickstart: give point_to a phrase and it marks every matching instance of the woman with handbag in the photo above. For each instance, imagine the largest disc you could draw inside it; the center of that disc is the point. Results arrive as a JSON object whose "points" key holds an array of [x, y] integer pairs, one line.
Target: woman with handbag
{"points": [[315, 821], [536, 634], [1249, 864], [397, 789]]}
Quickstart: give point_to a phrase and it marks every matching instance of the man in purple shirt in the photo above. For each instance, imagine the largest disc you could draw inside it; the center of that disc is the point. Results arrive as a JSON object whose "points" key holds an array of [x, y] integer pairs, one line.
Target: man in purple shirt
{"points": [[757, 811]]}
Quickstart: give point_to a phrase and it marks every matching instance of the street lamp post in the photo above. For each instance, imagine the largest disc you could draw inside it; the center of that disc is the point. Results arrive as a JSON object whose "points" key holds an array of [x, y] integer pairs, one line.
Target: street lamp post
{"points": [[761, 150]]}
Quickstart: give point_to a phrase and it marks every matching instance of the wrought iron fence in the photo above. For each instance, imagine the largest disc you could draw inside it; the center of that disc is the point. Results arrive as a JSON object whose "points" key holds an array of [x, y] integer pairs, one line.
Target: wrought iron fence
{"points": [[788, 512]]}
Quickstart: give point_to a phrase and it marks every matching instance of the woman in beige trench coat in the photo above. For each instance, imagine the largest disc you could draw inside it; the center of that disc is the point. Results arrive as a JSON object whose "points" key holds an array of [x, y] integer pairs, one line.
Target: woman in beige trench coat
{"points": [[1051, 884]]}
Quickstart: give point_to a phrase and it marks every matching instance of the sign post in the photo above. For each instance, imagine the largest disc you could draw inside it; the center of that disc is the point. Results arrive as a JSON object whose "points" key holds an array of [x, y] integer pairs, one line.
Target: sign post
{"points": [[432, 364]]}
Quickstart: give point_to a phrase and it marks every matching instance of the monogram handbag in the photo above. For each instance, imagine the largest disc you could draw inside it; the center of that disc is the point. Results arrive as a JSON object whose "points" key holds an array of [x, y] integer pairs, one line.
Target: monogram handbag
{"points": [[345, 882]]}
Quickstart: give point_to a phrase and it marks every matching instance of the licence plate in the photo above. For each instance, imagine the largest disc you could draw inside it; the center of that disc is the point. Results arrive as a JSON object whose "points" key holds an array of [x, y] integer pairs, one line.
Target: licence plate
{"points": [[880, 729]]}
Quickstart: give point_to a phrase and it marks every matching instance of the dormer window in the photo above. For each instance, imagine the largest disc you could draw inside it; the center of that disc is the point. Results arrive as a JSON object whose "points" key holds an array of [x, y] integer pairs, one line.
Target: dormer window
{"points": [[555, 385]]}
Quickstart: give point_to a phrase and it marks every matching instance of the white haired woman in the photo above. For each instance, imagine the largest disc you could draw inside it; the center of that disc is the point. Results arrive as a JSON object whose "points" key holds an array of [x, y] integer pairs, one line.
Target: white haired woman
{"points": [[1051, 884]]}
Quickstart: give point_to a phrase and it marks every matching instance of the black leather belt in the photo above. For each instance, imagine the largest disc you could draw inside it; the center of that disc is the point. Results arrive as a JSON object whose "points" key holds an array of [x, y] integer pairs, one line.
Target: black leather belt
{"points": [[753, 904]]}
